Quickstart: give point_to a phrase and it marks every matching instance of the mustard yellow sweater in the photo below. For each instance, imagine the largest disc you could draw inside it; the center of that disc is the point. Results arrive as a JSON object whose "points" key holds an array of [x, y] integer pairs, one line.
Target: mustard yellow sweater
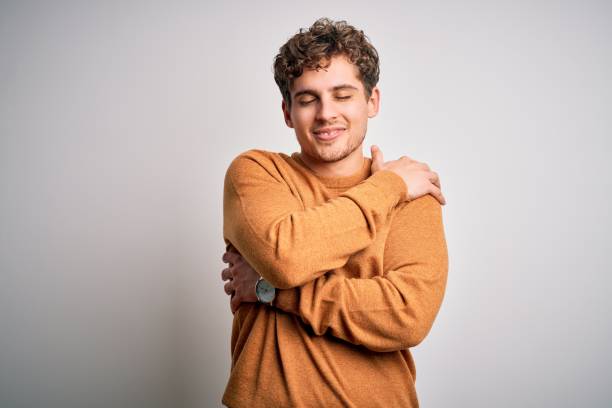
{"points": [[361, 276]]}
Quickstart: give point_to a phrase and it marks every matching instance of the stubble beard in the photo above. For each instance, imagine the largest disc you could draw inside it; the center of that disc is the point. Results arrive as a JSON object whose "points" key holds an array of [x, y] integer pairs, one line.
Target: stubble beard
{"points": [[328, 155]]}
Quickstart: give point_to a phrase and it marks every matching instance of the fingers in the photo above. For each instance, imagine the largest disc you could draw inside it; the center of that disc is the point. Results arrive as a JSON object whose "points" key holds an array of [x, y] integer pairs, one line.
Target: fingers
{"points": [[226, 274], [229, 287], [231, 257], [234, 303], [435, 191], [424, 166], [435, 179]]}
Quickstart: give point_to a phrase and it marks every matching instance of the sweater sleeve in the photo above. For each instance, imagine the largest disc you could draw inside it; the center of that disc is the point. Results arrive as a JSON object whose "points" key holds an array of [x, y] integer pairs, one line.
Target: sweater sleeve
{"points": [[289, 244], [384, 313]]}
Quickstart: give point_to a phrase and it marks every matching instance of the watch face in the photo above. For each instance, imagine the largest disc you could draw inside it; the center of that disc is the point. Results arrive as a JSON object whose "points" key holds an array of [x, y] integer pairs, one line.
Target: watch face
{"points": [[265, 291]]}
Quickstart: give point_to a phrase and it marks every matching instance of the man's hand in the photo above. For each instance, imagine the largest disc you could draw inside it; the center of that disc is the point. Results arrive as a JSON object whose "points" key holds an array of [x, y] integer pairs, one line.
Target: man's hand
{"points": [[418, 177], [242, 279]]}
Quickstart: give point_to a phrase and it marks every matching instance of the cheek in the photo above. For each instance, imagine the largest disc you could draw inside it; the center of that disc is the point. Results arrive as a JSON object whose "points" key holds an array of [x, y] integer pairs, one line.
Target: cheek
{"points": [[302, 119], [358, 115]]}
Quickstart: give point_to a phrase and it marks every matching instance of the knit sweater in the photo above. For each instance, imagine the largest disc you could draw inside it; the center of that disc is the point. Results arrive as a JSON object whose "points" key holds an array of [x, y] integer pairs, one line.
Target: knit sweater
{"points": [[360, 276]]}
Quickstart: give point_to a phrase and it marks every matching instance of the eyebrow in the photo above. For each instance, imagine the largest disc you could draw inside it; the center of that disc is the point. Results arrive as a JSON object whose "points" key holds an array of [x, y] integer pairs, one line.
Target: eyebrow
{"points": [[335, 88]]}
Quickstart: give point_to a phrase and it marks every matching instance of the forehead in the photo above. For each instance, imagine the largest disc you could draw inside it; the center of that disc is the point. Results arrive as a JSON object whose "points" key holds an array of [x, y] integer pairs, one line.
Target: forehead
{"points": [[339, 72]]}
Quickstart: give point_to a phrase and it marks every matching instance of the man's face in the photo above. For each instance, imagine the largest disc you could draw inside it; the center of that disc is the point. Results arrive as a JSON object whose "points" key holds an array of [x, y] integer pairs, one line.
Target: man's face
{"points": [[329, 111]]}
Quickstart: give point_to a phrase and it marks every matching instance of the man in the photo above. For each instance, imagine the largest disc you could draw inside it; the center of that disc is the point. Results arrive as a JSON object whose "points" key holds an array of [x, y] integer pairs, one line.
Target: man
{"points": [[337, 262]]}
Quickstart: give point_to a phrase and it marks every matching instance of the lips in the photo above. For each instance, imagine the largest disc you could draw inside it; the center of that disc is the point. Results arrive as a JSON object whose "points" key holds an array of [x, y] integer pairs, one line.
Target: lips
{"points": [[328, 133]]}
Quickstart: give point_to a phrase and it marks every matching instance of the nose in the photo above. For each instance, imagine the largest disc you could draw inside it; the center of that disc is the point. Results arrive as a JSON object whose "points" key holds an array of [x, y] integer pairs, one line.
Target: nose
{"points": [[327, 110]]}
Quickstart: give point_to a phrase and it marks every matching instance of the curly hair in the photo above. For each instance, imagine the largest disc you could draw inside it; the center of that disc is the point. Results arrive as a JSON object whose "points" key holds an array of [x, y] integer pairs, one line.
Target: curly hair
{"points": [[309, 49]]}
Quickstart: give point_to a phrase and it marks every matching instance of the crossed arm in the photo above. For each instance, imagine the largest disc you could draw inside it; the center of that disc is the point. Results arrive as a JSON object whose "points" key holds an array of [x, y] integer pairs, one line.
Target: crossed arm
{"points": [[384, 313]]}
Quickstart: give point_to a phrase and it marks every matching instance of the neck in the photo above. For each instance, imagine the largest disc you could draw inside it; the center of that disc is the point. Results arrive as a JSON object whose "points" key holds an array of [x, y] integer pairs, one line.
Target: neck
{"points": [[348, 166]]}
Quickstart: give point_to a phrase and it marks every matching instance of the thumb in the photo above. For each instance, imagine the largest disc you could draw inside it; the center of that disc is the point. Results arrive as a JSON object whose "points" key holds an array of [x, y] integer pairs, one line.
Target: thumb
{"points": [[377, 157]]}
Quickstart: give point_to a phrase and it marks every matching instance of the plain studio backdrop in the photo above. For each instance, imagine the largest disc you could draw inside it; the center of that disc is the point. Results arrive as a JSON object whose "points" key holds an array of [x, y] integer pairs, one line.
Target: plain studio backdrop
{"points": [[118, 121]]}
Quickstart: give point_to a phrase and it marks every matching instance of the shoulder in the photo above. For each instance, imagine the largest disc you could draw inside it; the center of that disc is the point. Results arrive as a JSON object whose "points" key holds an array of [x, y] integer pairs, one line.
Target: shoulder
{"points": [[424, 211], [257, 163], [416, 231], [258, 156]]}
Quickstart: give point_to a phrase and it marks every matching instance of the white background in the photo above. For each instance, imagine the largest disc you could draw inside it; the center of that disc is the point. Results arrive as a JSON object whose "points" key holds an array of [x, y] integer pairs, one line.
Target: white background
{"points": [[119, 119]]}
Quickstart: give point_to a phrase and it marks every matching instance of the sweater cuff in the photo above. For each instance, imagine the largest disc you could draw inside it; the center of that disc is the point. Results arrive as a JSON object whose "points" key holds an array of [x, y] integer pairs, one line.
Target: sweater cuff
{"points": [[287, 300]]}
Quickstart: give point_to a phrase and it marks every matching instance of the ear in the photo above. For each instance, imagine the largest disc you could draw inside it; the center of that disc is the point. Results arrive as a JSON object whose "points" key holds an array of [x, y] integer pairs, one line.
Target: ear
{"points": [[286, 114], [374, 102]]}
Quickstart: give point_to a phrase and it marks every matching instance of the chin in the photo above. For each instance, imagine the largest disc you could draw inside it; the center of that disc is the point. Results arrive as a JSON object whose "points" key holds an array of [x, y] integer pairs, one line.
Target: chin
{"points": [[333, 156]]}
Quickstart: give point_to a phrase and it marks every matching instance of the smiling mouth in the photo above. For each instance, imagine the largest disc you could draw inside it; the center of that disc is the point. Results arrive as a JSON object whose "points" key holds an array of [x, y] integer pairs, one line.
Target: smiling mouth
{"points": [[329, 135]]}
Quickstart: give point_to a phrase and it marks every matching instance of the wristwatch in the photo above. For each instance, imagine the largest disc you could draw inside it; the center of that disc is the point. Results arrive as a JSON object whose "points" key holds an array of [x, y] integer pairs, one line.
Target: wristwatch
{"points": [[264, 291]]}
